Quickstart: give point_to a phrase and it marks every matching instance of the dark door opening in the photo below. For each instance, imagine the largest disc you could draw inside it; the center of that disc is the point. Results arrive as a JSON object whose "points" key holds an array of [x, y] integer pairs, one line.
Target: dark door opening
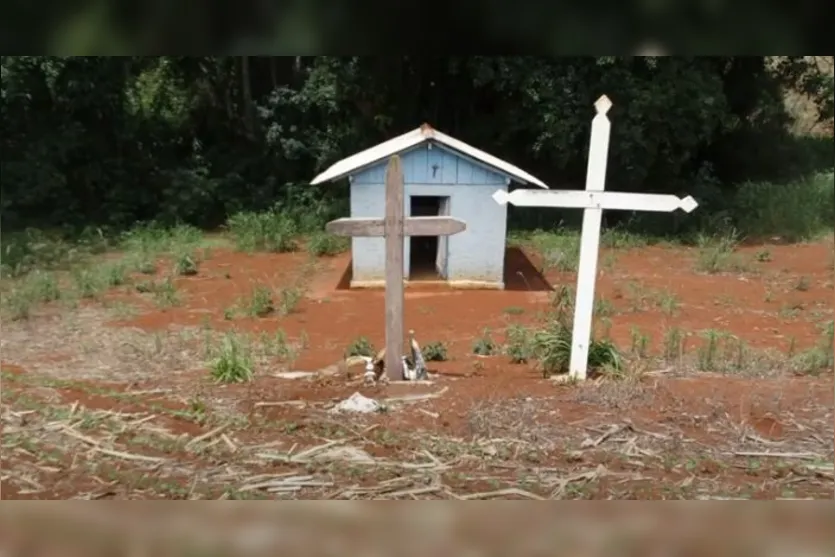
{"points": [[427, 254]]}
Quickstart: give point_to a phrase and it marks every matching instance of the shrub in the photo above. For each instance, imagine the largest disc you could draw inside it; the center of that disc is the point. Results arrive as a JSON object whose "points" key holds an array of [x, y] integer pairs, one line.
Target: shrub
{"points": [[360, 347], [434, 352]]}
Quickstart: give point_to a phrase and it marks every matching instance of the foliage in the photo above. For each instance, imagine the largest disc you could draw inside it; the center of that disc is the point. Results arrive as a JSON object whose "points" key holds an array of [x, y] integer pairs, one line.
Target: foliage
{"points": [[519, 346], [289, 299], [322, 243], [260, 304], [484, 345], [106, 142], [716, 253], [185, 264], [232, 362], [820, 358], [560, 250], [796, 211], [266, 231], [360, 347], [435, 352], [550, 345], [552, 349]]}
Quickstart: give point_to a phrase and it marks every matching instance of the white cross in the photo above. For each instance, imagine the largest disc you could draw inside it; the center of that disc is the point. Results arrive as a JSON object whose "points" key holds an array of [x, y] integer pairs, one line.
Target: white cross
{"points": [[593, 200]]}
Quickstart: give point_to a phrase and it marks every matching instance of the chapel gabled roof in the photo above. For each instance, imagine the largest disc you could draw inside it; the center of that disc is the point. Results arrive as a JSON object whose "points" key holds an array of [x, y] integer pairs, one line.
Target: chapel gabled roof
{"points": [[424, 134]]}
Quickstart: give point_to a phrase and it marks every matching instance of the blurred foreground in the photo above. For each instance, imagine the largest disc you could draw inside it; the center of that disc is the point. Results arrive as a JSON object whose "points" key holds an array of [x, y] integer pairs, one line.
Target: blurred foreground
{"points": [[423, 529]]}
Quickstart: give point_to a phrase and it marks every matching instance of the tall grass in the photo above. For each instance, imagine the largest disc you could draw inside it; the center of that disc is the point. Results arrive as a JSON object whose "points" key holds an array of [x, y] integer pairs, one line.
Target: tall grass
{"points": [[795, 211], [550, 345], [30, 249], [271, 230], [154, 238], [302, 211]]}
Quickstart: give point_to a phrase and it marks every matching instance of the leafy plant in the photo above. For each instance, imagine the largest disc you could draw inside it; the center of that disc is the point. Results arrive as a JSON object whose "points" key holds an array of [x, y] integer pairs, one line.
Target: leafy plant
{"points": [[233, 361], [165, 293], [820, 357], [552, 347], [115, 274], [16, 304], [434, 352], [360, 347], [288, 300], [673, 344], [185, 264], [88, 282], [260, 303], [42, 286], [485, 345], [519, 346], [278, 345], [640, 343], [146, 265], [716, 253]]}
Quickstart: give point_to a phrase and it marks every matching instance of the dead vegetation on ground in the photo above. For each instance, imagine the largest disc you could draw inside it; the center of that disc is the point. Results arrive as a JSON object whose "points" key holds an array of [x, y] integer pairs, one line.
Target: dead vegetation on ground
{"points": [[96, 404]]}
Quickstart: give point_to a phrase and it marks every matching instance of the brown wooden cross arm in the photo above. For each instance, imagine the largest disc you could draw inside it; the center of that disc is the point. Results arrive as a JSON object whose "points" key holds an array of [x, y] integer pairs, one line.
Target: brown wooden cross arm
{"points": [[394, 226], [412, 226]]}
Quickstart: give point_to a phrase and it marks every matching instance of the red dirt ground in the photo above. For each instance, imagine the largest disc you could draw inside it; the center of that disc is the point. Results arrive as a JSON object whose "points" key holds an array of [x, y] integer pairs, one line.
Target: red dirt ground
{"points": [[765, 307]]}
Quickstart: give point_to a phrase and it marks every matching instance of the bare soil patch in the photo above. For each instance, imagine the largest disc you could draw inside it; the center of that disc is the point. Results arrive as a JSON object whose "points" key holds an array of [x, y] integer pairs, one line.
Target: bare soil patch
{"points": [[114, 399]]}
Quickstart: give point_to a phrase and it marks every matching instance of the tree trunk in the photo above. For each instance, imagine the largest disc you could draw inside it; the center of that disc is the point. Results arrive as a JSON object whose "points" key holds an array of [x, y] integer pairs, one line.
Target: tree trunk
{"points": [[273, 75], [246, 89]]}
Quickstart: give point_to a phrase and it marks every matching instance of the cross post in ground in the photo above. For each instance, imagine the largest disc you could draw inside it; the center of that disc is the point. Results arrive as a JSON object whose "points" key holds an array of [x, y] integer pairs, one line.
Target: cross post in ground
{"points": [[394, 227], [593, 200]]}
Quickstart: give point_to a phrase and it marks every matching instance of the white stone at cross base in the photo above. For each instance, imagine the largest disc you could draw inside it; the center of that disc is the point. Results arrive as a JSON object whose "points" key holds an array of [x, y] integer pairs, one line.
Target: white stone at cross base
{"points": [[593, 200]]}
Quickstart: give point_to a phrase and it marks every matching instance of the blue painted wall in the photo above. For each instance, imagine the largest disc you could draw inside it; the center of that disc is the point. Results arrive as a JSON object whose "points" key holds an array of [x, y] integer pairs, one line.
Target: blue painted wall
{"points": [[477, 254]]}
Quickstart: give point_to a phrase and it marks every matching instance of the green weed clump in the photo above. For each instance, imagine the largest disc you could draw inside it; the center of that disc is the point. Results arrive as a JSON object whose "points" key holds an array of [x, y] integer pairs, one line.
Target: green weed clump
{"points": [[42, 286], [717, 253], [30, 249], [155, 239], [361, 346], [821, 357], [435, 352], [260, 303], [519, 345], [550, 346], [484, 345], [559, 249], [270, 231], [233, 361], [185, 263], [552, 349], [324, 244]]}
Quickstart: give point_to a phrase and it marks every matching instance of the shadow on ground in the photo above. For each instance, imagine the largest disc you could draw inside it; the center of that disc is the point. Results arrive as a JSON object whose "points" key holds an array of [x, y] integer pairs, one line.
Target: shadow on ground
{"points": [[520, 274]]}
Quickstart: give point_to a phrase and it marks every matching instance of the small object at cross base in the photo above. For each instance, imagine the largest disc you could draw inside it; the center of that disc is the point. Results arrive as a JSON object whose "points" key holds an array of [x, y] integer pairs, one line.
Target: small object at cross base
{"points": [[408, 372], [379, 362], [370, 371], [417, 357]]}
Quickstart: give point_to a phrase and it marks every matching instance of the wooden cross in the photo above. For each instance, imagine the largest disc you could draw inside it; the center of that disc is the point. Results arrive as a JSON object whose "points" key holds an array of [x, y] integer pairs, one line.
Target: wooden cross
{"points": [[394, 227], [593, 200]]}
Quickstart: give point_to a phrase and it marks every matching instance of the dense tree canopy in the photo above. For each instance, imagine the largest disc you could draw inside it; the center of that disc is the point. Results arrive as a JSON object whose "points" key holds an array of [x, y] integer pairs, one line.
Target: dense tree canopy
{"points": [[112, 141]]}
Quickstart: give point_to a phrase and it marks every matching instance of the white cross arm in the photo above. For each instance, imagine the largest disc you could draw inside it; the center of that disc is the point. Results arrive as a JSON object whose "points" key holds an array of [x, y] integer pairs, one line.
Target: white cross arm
{"points": [[608, 200]]}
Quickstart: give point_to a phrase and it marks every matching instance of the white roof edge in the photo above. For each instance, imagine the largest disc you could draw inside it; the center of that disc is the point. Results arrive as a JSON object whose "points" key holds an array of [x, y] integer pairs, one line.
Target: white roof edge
{"points": [[415, 137]]}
